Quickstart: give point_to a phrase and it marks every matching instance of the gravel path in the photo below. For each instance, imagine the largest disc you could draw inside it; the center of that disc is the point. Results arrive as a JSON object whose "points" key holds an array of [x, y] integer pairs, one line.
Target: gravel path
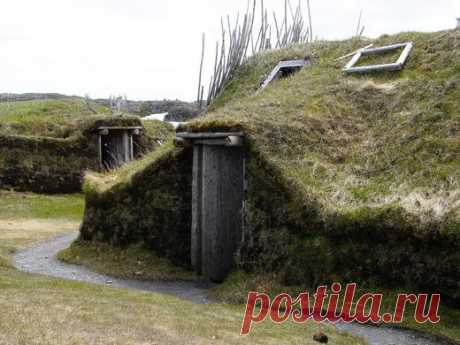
{"points": [[41, 259], [392, 336]]}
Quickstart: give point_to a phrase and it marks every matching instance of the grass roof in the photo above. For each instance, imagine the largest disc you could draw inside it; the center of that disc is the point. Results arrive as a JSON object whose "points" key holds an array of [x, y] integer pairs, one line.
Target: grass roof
{"points": [[389, 138], [68, 117], [354, 140], [56, 118]]}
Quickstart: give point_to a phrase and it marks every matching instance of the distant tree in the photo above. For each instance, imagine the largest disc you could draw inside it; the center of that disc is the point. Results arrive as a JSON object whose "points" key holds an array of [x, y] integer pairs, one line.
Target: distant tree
{"points": [[145, 108], [118, 105]]}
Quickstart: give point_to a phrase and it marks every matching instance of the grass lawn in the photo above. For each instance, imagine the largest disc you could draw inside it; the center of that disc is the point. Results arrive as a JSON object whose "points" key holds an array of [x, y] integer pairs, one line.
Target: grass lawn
{"points": [[26, 206], [26, 218], [41, 310]]}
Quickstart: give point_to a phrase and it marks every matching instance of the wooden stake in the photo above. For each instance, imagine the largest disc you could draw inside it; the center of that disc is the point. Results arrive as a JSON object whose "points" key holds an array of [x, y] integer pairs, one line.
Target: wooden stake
{"points": [[201, 68], [309, 21]]}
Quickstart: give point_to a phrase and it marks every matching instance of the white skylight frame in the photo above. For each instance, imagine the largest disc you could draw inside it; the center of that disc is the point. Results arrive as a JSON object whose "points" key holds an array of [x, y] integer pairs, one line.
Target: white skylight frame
{"points": [[397, 66]]}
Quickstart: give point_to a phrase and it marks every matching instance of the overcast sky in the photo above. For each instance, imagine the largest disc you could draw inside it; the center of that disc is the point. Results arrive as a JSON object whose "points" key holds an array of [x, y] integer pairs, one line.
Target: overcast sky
{"points": [[150, 49]]}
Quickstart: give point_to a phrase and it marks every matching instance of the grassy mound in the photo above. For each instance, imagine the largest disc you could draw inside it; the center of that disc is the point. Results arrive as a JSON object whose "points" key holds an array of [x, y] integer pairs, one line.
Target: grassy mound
{"points": [[152, 207], [57, 118], [47, 145], [350, 178], [64, 117]]}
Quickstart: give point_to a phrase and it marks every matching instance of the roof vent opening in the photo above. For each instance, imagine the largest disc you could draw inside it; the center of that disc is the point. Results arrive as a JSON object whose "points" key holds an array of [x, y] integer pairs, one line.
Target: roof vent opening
{"points": [[284, 69]]}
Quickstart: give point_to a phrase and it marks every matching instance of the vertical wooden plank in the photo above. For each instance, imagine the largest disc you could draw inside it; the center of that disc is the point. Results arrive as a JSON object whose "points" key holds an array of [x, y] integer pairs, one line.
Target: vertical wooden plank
{"points": [[210, 206], [125, 149], [222, 195], [101, 162], [131, 147], [232, 196], [196, 240], [116, 148]]}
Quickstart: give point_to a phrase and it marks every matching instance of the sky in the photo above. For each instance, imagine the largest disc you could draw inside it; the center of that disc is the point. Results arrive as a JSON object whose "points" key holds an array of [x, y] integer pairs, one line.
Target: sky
{"points": [[150, 49]]}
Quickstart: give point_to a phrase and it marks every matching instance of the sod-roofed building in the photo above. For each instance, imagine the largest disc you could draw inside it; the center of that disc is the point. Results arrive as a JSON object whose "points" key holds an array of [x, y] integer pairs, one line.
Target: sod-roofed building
{"points": [[346, 177], [48, 153]]}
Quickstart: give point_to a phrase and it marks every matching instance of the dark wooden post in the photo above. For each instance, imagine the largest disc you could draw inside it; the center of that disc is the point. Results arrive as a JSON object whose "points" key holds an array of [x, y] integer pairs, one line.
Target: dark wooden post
{"points": [[197, 206]]}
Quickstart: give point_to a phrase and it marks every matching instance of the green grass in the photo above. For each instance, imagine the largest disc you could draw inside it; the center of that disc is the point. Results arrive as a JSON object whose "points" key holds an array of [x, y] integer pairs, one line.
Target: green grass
{"points": [[26, 218], [234, 291], [47, 311], [134, 262], [101, 182], [48, 118], [38, 206], [158, 130], [379, 59]]}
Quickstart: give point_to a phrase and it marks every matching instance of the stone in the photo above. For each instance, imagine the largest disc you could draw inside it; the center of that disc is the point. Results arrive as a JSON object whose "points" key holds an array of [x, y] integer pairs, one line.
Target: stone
{"points": [[320, 337]]}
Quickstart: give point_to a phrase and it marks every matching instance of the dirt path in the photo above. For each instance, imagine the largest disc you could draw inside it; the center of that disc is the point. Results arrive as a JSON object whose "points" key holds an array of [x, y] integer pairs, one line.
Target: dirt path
{"points": [[41, 259]]}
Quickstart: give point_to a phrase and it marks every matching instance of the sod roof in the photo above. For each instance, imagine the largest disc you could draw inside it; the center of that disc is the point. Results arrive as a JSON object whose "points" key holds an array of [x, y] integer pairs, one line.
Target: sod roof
{"points": [[349, 141], [57, 118], [67, 117]]}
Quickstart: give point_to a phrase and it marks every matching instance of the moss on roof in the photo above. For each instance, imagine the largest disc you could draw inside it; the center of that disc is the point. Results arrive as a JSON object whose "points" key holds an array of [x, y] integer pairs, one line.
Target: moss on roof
{"points": [[356, 140]]}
